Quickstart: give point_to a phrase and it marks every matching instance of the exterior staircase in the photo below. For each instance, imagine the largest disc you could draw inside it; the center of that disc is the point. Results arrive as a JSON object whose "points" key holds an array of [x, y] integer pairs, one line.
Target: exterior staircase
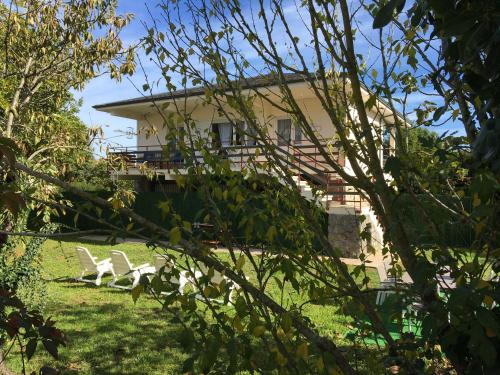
{"points": [[306, 190]]}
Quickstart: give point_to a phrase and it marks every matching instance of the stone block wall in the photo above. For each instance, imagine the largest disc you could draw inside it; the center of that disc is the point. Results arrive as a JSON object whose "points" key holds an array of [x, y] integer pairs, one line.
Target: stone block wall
{"points": [[344, 228]]}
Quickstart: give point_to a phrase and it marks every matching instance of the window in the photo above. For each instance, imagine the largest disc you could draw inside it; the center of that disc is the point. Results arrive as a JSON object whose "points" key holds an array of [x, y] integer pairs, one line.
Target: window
{"points": [[251, 135], [284, 132], [386, 143], [240, 133], [223, 134], [173, 145]]}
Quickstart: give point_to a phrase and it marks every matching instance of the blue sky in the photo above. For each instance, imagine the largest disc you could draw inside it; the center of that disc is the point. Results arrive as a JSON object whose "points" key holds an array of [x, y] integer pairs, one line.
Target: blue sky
{"points": [[103, 89]]}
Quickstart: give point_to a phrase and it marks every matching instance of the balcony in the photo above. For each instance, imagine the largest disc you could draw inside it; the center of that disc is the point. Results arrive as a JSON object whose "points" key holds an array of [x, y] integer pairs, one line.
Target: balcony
{"points": [[305, 160], [301, 156]]}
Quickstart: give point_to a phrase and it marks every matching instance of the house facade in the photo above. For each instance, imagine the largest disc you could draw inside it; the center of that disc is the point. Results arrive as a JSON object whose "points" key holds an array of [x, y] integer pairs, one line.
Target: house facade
{"points": [[306, 162]]}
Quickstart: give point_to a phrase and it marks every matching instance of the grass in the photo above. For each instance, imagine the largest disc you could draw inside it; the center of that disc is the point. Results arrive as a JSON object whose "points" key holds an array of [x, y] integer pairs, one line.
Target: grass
{"points": [[109, 334]]}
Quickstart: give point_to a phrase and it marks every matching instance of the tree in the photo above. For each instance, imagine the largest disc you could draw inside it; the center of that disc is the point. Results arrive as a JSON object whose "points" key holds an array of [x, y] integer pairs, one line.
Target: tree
{"points": [[47, 49], [465, 73], [189, 39]]}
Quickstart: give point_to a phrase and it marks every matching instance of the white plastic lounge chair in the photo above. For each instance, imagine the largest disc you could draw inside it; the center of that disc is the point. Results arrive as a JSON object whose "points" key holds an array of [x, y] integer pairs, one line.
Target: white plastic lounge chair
{"points": [[123, 267], [89, 264], [217, 278], [162, 261], [386, 290]]}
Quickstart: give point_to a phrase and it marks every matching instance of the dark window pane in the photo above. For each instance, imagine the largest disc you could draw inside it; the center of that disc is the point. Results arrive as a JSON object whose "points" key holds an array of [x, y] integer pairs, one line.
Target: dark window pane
{"points": [[284, 131], [240, 133], [298, 134]]}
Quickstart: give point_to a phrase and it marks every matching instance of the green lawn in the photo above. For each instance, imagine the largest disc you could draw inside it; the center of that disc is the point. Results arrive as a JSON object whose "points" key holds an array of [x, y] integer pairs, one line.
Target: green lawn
{"points": [[109, 334]]}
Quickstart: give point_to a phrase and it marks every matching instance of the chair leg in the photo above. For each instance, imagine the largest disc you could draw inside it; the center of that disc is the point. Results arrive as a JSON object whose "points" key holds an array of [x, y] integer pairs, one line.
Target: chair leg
{"points": [[182, 283], [81, 276], [137, 277], [99, 277], [113, 282]]}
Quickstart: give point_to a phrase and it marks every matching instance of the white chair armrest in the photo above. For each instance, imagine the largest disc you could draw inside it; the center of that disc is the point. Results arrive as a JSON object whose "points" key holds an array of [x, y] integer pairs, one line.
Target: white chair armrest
{"points": [[107, 260]]}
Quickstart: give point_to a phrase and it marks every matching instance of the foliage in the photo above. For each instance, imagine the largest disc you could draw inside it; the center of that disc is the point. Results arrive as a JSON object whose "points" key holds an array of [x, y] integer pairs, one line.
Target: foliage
{"points": [[218, 48], [26, 328], [470, 48], [186, 40], [439, 159], [48, 48], [94, 175]]}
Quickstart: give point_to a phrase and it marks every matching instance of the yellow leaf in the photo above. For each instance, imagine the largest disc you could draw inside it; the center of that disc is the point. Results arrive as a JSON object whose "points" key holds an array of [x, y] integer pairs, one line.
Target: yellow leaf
{"points": [[280, 359], [259, 330], [476, 201], [478, 228], [490, 332], [488, 301], [334, 371], [303, 351], [136, 292], [207, 291], [237, 324], [281, 334], [320, 365], [175, 235], [483, 284]]}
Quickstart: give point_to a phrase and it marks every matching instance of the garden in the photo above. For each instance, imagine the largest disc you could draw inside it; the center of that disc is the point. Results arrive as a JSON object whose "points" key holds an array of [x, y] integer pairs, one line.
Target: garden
{"points": [[108, 333]]}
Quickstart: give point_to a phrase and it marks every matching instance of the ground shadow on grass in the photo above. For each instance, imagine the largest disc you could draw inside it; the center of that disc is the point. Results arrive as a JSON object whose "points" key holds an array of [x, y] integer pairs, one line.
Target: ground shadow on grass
{"points": [[108, 339], [90, 241], [365, 359]]}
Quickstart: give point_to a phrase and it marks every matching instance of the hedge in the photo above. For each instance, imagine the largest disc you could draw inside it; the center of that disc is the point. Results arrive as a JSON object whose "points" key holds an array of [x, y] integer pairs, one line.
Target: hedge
{"points": [[189, 205]]}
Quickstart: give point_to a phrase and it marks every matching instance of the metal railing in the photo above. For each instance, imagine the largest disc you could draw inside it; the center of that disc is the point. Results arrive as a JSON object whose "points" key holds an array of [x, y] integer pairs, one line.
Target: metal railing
{"points": [[305, 159]]}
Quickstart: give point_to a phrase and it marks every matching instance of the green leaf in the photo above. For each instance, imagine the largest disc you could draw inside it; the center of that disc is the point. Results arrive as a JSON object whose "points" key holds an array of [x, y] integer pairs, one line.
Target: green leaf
{"points": [[51, 347], [46, 370], [175, 235], [187, 366], [487, 352], [8, 148], [439, 112], [186, 339], [371, 101], [240, 262], [385, 13], [487, 319], [259, 330], [286, 322], [241, 306], [393, 166], [31, 348]]}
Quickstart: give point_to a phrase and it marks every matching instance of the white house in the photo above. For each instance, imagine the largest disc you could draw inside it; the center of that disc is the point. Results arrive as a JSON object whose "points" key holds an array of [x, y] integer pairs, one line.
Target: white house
{"points": [[307, 165]]}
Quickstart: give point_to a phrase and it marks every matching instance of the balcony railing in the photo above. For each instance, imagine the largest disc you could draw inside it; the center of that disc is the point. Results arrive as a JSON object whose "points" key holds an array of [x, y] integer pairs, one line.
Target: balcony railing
{"points": [[305, 159], [160, 157]]}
